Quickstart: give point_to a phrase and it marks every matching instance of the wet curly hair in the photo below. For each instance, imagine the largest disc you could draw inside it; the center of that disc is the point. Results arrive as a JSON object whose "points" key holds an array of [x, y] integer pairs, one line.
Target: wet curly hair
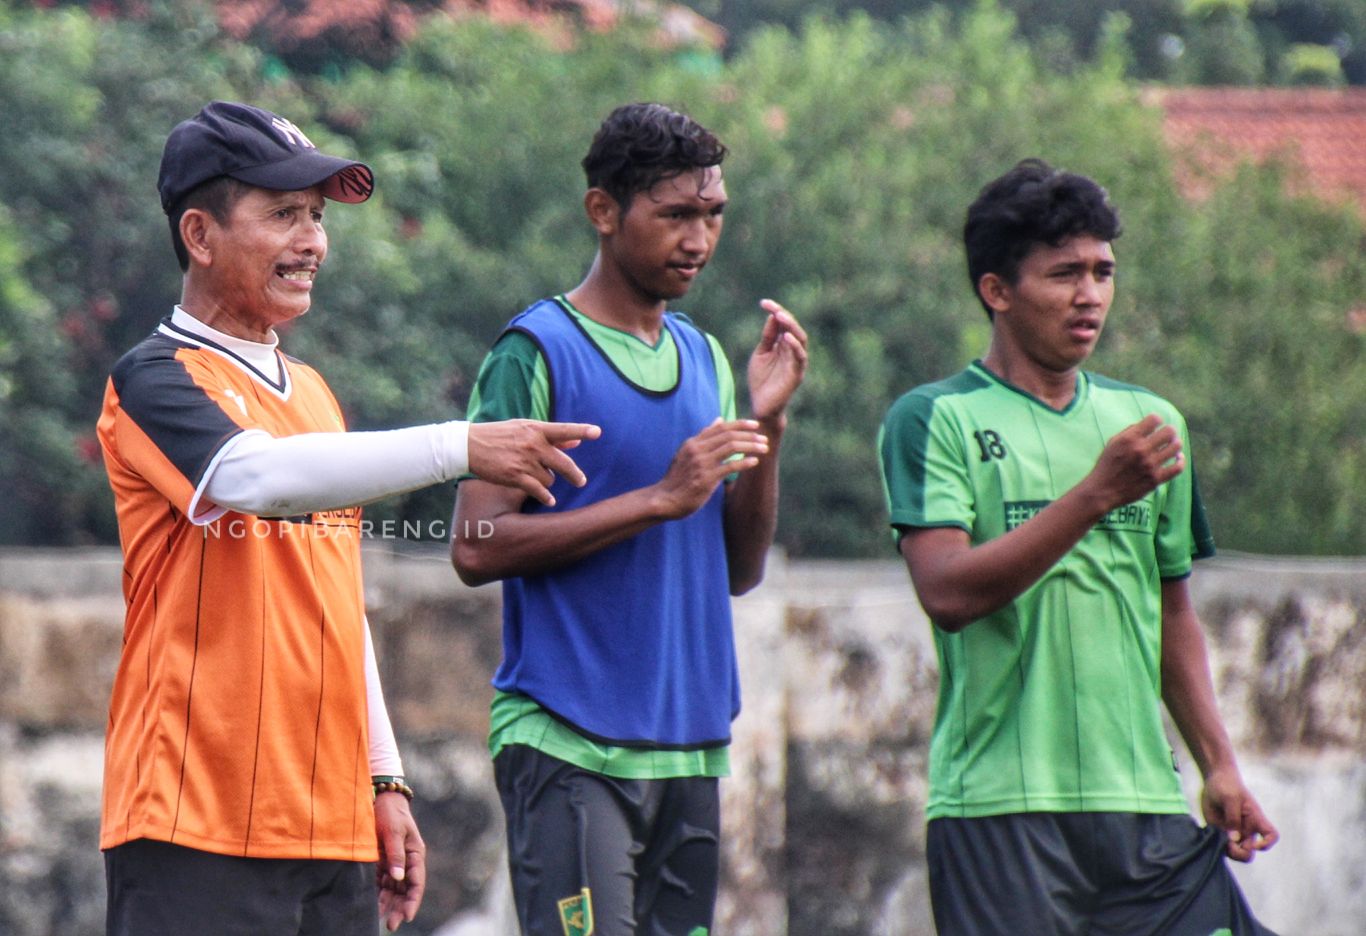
{"points": [[641, 144]]}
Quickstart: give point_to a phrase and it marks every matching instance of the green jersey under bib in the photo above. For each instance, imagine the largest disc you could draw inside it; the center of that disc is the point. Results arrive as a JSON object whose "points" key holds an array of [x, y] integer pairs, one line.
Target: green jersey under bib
{"points": [[1053, 703]]}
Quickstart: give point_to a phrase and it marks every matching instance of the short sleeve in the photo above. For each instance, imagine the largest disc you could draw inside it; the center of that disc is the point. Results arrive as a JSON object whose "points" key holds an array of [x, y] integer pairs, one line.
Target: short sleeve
{"points": [[1183, 530], [513, 382], [167, 426], [925, 476]]}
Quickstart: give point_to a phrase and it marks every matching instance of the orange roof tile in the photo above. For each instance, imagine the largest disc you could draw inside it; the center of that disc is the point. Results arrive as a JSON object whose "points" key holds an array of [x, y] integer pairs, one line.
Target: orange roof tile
{"points": [[1321, 131]]}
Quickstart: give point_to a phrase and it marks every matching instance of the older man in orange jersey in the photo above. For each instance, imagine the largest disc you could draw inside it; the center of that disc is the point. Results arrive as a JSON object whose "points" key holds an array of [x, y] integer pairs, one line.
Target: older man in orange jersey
{"points": [[251, 773]]}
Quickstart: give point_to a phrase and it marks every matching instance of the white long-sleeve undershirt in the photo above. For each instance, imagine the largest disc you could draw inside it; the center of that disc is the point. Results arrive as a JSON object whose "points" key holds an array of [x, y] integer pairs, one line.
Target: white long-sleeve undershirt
{"points": [[384, 758], [259, 474]]}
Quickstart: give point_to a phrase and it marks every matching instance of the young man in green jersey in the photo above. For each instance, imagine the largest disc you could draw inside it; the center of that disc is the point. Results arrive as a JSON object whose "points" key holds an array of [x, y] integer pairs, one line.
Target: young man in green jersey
{"points": [[1049, 518], [618, 684]]}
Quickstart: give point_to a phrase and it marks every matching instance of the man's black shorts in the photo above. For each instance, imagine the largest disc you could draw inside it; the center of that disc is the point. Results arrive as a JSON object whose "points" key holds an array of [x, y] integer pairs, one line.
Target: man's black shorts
{"points": [[159, 889], [590, 853], [1098, 874]]}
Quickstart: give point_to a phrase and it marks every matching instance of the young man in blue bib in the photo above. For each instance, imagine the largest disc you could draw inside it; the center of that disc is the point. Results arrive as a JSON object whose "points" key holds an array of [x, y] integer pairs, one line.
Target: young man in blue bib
{"points": [[1049, 517], [611, 721]]}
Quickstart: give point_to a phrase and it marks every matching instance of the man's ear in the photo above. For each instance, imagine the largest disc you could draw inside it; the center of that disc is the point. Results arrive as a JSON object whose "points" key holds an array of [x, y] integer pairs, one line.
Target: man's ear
{"points": [[196, 232], [995, 292], [603, 211]]}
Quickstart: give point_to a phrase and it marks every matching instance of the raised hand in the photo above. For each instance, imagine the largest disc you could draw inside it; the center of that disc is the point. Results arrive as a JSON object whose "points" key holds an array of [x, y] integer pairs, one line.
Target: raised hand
{"points": [[700, 464], [778, 364], [1136, 461], [527, 454]]}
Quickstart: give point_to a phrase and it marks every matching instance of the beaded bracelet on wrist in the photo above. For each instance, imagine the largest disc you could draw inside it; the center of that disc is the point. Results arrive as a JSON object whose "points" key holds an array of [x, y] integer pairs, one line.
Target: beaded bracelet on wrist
{"points": [[392, 785]]}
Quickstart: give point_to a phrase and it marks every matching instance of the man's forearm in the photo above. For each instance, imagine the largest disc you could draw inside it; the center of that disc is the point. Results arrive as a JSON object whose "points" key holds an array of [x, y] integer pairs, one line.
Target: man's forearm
{"points": [[491, 545], [751, 517], [281, 476], [959, 583], [1187, 687], [384, 756]]}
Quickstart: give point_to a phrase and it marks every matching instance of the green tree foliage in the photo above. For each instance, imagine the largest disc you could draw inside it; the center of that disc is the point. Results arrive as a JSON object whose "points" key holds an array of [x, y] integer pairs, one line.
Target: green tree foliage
{"points": [[39, 448], [855, 151], [1306, 63], [1222, 46], [1249, 326], [1338, 24], [86, 105], [1201, 41]]}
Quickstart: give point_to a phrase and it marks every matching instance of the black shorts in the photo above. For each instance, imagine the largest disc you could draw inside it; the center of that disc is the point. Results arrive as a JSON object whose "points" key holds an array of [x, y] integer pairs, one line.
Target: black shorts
{"points": [[1099, 874], [159, 889], [590, 853]]}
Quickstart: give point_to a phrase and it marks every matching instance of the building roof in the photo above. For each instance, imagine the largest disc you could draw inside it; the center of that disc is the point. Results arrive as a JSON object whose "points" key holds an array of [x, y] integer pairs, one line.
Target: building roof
{"points": [[1319, 132]]}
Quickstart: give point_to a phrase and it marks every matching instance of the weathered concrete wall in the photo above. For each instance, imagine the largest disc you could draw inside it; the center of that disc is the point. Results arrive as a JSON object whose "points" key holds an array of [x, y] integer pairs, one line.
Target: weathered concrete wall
{"points": [[824, 816]]}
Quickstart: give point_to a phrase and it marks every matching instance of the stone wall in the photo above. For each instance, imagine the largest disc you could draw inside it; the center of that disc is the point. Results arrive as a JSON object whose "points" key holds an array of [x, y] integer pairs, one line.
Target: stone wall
{"points": [[824, 821]]}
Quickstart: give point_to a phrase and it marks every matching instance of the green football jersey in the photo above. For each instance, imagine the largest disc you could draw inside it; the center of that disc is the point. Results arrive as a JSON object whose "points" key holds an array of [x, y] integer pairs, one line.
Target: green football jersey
{"points": [[1053, 703]]}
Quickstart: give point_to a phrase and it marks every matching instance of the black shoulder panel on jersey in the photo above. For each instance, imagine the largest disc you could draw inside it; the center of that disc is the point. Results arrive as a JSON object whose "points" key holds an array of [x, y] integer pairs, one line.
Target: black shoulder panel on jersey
{"points": [[160, 396]]}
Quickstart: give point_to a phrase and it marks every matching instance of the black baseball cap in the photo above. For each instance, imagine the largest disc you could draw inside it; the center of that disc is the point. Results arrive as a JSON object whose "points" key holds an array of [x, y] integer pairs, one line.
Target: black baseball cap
{"points": [[256, 147]]}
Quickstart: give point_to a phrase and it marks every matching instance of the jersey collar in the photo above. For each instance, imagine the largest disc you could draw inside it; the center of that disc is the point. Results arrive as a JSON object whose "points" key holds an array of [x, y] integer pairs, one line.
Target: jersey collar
{"points": [[262, 361], [1083, 389]]}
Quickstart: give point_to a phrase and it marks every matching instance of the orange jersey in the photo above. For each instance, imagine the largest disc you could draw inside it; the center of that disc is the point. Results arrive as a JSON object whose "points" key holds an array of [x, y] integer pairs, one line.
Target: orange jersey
{"points": [[238, 721]]}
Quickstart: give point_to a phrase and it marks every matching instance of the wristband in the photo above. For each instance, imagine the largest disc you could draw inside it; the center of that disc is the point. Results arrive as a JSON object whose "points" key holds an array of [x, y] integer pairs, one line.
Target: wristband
{"points": [[392, 785]]}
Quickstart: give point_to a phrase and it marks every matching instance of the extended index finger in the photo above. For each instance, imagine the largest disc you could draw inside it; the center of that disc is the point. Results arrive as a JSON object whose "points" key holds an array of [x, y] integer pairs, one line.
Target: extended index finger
{"points": [[558, 433]]}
